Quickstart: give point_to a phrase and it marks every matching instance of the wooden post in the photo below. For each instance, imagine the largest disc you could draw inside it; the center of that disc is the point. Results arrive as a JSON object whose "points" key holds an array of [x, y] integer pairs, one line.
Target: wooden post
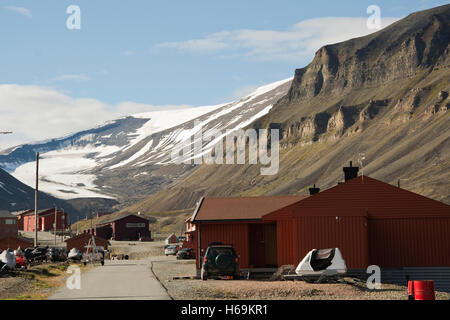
{"points": [[63, 225], [36, 201], [54, 226]]}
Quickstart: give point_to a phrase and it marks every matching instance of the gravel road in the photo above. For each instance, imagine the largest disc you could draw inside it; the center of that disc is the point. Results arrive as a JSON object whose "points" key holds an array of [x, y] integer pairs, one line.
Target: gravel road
{"points": [[117, 279]]}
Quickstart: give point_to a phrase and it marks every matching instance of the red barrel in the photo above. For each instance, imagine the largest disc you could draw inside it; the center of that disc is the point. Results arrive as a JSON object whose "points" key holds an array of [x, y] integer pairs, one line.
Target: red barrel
{"points": [[424, 290], [410, 290]]}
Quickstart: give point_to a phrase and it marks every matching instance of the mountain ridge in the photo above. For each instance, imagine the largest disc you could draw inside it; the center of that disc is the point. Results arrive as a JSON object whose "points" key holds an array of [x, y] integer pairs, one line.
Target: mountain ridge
{"points": [[384, 95]]}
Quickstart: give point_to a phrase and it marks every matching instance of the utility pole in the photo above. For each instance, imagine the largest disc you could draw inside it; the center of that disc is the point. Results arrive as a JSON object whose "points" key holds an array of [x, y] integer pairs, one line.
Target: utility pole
{"points": [[56, 217], [63, 225], [36, 190]]}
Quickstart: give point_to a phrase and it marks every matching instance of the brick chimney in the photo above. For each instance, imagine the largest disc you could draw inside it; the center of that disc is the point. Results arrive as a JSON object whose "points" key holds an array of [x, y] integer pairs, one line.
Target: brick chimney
{"points": [[314, 190], [350, 172]]}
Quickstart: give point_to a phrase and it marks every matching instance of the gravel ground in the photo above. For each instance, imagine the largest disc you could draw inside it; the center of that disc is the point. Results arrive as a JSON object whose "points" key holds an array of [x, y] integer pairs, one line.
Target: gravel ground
{"points": [[11, 287], [353, 289], [137, 250]]}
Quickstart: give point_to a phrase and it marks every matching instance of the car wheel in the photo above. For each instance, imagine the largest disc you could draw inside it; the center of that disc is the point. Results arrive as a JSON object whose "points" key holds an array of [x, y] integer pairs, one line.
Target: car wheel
{"points": [[204, 275]]}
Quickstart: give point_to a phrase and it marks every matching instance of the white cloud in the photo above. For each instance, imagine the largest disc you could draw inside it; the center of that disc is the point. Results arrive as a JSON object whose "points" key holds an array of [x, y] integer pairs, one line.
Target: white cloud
{"points": [[128, 53], [35, 113], [299, 41], [20, 10], [71, 77]]}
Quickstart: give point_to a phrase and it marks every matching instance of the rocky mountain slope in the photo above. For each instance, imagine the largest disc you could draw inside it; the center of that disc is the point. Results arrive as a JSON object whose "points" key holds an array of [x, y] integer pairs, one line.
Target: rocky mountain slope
{"points": [[130, 158], [381, 100]]}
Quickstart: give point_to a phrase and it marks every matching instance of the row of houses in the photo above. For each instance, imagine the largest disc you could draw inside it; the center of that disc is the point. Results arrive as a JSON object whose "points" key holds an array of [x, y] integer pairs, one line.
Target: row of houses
{"points": [[123, 228], [370, 221]]}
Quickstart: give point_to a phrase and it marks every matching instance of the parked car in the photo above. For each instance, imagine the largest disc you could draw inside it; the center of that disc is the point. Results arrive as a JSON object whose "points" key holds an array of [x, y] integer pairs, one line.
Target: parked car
{"points": [[171, 250], [186, 253], [220, 260], [21, 261]]}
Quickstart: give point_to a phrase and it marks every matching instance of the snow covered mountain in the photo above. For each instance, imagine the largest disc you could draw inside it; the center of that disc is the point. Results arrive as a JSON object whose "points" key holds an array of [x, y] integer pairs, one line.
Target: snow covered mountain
{"points": [[130, 158], [16, 196]]}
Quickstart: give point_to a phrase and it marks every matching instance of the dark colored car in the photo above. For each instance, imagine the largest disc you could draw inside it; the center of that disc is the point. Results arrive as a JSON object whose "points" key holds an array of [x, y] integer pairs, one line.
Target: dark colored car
{"points": [[186, 253], [220, 260]]}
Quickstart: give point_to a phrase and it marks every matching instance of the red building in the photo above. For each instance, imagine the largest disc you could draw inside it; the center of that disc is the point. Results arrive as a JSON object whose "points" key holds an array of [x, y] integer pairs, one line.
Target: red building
{"points": [[82, 240], [127, 228], [190, 234], [20, 215], [46, 220], [14, 242], [8, 225], [371, 222], [239, 221]]}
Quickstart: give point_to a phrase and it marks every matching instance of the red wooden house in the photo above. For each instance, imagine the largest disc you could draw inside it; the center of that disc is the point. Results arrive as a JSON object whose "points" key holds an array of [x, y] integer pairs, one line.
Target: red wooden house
{"points": [[46, 220]]}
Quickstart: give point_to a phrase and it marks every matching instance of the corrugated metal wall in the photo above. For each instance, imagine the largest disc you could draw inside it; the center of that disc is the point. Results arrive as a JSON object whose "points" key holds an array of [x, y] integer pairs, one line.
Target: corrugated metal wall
{"points": [[409, 242], [227, 233], [285, 242], [348, 233]]}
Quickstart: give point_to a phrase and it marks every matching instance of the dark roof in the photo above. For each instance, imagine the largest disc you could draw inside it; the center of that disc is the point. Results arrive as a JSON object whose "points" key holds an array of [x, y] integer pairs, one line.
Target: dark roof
{"points": [[120, 218], [86, 235], [40, 212], [241, 208], [371, 197], [6, 214], [22, 212]]}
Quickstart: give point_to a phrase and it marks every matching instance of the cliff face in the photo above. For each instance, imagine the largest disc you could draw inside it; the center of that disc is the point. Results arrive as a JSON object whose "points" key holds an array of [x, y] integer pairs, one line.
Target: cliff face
{"points": [[385, 95], [349, 84], [399, 51]]}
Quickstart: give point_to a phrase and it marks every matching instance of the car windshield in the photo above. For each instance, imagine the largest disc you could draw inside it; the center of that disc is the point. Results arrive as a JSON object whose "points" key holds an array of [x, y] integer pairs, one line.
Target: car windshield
{"points": [[215, 251]]}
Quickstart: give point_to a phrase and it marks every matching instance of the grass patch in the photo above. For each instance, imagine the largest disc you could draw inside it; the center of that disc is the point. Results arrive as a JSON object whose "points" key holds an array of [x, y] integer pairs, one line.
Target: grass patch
{"points": [[41, 283]]}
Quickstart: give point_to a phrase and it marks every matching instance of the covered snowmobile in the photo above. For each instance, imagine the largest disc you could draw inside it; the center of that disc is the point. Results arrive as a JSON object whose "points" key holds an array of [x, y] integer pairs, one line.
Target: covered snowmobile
{"points": [[322, 262], [75, 254], [7, 261]]}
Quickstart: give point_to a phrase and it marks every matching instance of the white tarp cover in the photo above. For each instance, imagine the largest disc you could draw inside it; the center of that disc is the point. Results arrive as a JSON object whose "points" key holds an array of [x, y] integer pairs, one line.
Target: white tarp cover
{"points": [[323, 261], [8, 258], [73, 253]]}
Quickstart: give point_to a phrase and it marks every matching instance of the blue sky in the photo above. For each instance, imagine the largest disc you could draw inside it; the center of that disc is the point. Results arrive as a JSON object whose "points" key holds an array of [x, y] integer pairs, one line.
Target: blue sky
{"points": [[165, 53]]}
